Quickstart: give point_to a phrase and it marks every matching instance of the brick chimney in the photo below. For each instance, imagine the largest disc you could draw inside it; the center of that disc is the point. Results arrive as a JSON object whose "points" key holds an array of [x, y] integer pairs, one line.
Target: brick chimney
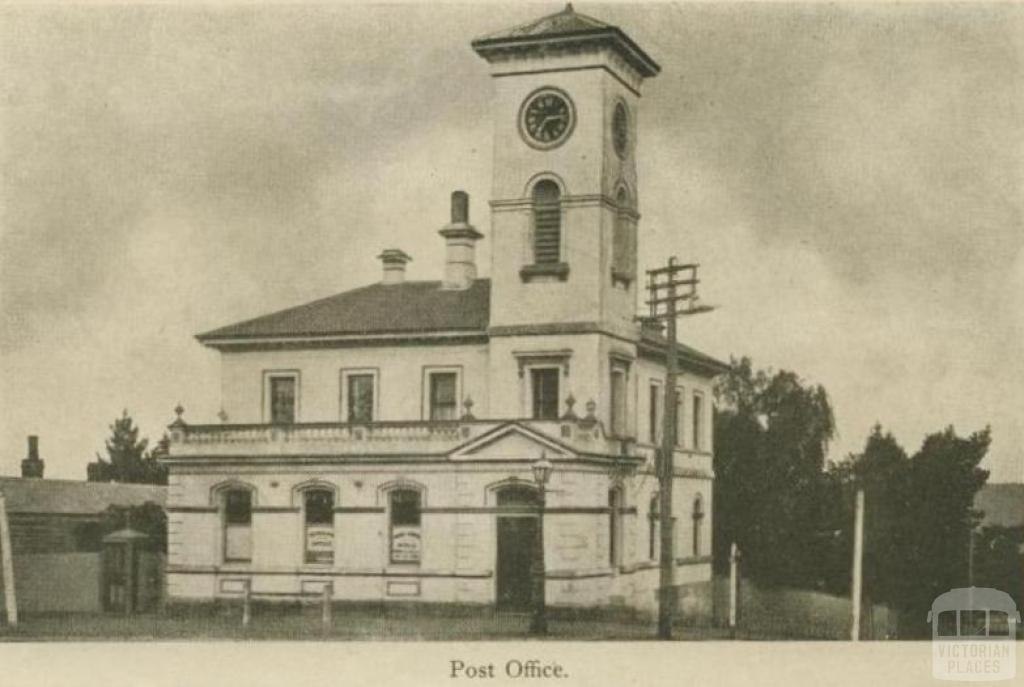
{"points": [[460, 239], [32, 466], [394, 262]]}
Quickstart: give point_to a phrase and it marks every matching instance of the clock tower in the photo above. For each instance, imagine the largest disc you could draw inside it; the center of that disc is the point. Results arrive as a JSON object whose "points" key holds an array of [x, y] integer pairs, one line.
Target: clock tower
{"points": [[564, 195]]}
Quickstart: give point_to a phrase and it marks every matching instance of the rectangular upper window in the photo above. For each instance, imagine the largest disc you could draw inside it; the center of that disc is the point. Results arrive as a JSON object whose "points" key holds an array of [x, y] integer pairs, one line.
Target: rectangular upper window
{"points": [[544, 393], [282, 391], [618, 401], [654, 413], [698, 421], [680, 415], [359, 395], [443, 395]]}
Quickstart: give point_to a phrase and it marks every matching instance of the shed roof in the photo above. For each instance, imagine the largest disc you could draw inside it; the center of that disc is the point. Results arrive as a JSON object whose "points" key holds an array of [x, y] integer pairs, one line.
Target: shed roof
{"points": [[69, 497]]}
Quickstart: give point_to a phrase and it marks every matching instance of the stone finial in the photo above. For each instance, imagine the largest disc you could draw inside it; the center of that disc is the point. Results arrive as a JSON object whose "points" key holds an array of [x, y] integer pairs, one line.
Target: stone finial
{"points": [[179, 421], [570, 414], [590, 419], [468, 405]]}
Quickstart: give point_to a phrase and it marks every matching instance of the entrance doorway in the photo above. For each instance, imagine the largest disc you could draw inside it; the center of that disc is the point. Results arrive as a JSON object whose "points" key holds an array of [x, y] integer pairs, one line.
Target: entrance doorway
{"points": [[517, 537]]}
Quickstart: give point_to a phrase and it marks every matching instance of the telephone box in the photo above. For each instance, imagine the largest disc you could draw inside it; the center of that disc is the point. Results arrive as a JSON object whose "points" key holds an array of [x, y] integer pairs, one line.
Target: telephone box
{"points": [[131, 572]]}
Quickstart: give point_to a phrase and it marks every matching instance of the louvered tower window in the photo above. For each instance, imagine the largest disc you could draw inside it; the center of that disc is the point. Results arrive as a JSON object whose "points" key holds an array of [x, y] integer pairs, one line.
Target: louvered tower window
{"points": [[547, 223]]}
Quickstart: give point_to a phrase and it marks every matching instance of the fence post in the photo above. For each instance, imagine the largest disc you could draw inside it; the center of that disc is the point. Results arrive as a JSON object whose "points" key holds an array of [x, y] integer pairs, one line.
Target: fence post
{"points": [[246, 604], [734, 585], [326, 617]]}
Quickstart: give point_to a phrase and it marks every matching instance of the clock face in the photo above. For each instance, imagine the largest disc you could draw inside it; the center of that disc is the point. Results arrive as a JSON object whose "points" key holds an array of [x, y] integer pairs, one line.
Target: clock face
{"points": [[547, 118], [620, 130]]}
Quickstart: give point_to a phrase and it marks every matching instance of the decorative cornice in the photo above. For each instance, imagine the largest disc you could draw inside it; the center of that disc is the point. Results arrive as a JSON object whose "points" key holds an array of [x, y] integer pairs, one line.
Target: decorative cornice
{"points": [[271, 342], [545, 329], [572, 42], [578, 200], [703, 365], [632, 88], [560, 357]]}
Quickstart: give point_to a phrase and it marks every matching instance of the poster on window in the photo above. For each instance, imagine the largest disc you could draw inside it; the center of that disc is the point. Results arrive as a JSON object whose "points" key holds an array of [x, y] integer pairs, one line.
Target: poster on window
{"points": [[405, 544]]}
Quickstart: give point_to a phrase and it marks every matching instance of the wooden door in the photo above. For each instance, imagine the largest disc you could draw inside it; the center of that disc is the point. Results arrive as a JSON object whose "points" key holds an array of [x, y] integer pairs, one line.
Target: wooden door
{"points": [[516, 539]]}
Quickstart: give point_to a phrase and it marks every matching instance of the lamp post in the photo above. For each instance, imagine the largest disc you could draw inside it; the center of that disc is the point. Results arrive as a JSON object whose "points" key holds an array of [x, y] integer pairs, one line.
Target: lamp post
{"points": [[539, 624]]}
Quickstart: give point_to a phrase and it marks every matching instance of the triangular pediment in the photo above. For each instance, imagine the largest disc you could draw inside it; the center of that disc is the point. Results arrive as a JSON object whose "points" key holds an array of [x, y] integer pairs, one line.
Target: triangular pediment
{"points": [[511, 442]]}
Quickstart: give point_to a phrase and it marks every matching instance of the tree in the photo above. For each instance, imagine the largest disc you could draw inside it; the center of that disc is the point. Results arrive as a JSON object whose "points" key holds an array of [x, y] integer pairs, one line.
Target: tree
{"points": [[883, 471], [944, 478], [128, 460], [918, 518], [148, 518], [771, 435], [997, 560]]}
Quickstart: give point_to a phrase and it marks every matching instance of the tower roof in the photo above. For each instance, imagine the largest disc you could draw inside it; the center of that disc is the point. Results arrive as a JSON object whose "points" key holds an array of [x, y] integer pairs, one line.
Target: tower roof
{"points": [[567, 26], [559, 23]]}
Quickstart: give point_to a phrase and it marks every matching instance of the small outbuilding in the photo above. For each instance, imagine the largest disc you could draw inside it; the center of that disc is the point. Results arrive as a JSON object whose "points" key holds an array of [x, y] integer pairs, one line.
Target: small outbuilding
{"points": [[57, 538]]}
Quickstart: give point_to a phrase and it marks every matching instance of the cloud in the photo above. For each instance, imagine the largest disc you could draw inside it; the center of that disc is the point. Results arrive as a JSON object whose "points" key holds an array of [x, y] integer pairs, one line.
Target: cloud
{"points": [[849, 177]]}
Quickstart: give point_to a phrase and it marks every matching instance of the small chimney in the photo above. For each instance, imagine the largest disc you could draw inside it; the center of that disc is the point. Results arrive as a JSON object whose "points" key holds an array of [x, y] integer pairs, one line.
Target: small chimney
{"points": [[394, 265], [32, 466], [460, 239]]}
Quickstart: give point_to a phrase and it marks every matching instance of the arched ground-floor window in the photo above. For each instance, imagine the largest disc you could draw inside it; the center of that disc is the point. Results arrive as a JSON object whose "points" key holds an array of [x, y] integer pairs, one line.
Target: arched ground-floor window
{"points": [[236, 509], [318, 525], [405, 537]]}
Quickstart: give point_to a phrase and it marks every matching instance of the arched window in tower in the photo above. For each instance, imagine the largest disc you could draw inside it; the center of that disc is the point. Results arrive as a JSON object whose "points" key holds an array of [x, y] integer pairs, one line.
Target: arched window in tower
{"points": [[547, 223], [623, 240]]}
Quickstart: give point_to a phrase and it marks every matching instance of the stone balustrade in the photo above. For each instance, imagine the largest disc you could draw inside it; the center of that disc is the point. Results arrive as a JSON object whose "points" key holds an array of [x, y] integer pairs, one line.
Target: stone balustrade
{"points": [[374, 438]]}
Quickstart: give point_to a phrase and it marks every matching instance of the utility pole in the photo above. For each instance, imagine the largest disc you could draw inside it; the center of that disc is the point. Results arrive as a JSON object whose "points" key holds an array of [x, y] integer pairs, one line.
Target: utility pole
{"points": [[668, 287], [858, 557]]}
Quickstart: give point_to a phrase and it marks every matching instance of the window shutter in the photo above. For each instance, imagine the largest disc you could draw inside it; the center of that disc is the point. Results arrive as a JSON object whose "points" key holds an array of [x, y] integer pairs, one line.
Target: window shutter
{"points": [[547, 236], [547, 223]]}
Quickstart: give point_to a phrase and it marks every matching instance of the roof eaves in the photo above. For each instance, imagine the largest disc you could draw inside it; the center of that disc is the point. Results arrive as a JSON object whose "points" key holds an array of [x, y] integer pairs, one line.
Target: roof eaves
{"points": [[690, 356], [641, 60]]}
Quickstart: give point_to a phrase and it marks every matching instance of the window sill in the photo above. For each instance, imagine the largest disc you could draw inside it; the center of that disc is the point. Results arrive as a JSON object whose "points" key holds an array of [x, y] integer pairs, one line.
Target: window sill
{"points": [[402, 568], [232, 564], [559, 270], [622, 277]]}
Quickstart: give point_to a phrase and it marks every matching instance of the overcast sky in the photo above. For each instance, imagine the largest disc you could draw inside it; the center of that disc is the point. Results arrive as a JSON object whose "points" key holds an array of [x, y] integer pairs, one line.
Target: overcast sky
{"points": [[850, 178]]}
